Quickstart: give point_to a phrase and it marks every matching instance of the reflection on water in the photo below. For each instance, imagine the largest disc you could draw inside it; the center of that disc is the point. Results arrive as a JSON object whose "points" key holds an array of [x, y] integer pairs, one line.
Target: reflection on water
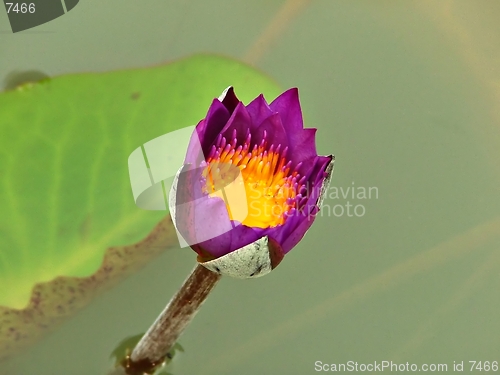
{"points": [[124, 365]]}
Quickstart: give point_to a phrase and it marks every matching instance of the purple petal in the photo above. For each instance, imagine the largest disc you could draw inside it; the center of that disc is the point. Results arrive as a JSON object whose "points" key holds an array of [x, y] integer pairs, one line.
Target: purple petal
{"points": [[198, 216], [259, 110], [302, 224], [302, 145], [316, 179], [194, 154], [296, 225], [239, 121], [275, 133], [318, 174], [244, 235], [311, 169], [217, 117], [301, 141], [239, 236], [211, 217], [229, 99], [288, 106], [206, 132], [221, 244]]}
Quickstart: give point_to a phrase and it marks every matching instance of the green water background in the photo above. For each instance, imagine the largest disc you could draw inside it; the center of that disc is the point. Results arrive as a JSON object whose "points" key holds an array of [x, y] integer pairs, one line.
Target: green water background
{"points": [[407, 96]]}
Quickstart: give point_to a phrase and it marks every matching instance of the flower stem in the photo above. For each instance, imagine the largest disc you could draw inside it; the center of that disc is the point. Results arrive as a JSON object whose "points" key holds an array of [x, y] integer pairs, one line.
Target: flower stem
{"points": [[163, 334]]}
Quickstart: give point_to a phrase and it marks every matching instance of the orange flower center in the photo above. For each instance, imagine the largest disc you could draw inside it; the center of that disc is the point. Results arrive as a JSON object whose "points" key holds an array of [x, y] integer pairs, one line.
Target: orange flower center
{"points": [[258, 186]]}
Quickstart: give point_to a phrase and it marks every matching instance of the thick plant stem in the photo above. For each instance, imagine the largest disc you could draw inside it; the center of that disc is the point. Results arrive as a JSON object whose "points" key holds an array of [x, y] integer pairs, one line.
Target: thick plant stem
{"points": [[181, 309]]}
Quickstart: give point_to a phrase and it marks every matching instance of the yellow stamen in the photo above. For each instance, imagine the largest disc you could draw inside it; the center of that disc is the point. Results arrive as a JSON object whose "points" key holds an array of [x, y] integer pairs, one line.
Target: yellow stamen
{"points": [[268, 188]]}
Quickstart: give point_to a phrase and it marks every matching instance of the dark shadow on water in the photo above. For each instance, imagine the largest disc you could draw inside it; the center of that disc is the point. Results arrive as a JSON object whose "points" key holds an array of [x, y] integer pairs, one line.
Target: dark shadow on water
{"points": [[18, 78], [125, 366]]}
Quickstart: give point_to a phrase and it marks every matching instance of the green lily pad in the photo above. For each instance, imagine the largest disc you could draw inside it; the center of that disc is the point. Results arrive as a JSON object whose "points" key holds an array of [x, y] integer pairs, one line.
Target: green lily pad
{"points": [[65, 195]]}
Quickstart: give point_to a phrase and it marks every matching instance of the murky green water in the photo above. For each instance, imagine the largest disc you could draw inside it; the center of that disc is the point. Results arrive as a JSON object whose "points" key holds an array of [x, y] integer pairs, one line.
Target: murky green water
{"points": [[406, 95]]}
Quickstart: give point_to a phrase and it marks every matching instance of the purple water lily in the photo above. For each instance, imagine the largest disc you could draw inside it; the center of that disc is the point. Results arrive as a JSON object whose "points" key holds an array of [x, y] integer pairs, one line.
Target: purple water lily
{"points": [[250, 188], [264, 151]]}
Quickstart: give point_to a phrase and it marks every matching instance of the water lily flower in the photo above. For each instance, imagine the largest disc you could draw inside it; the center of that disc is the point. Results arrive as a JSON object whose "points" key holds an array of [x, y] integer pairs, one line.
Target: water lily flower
{"points": [[251, 185], [250, 188]]}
